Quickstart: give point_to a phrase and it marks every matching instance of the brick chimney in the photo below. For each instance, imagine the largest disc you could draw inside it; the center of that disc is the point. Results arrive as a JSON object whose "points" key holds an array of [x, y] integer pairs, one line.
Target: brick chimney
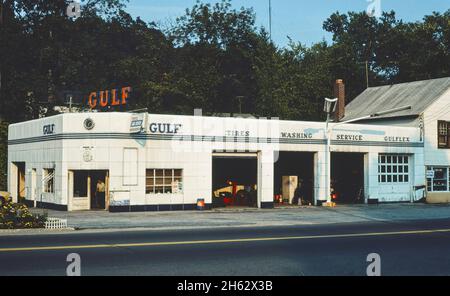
{"points": [[339, 92]]}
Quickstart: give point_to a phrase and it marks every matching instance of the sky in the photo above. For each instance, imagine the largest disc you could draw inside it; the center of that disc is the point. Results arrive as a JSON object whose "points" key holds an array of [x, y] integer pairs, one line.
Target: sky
{"points": [[299, 19]]}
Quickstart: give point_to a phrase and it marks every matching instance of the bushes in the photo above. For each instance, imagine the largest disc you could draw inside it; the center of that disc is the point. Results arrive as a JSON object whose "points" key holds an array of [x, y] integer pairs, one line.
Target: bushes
{"points": [[16, 215]]}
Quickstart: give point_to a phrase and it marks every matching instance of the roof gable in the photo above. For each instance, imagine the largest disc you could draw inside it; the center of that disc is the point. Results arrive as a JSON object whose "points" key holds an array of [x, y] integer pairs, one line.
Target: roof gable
{"points": [[419, 95]]}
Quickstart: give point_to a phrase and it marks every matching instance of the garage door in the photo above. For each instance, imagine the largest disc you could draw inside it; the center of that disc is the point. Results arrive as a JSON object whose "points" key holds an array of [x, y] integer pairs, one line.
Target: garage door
{"points": [[394, 177]]}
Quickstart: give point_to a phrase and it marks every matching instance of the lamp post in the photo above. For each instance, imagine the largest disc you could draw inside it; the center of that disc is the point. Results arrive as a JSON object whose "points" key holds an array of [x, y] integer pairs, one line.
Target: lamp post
{"points": [[330, 107], [367, 53], [270, 19]]}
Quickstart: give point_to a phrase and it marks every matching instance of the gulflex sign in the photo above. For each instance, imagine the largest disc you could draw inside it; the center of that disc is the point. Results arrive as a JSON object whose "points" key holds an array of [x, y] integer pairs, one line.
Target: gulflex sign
{"points": [[109, 98]]}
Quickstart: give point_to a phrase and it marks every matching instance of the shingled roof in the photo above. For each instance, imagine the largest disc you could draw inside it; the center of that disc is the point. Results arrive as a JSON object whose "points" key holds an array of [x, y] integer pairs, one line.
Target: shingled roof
{"points": [[419, 95]]}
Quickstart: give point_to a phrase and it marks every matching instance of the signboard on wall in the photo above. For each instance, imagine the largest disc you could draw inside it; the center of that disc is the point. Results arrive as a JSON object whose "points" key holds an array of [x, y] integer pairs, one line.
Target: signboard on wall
{"points": [[48, 129], [138, 123]]}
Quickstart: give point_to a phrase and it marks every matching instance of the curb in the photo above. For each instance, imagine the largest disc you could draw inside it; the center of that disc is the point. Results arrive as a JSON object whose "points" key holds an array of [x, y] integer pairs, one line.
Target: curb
{"points": [[35, 231]]}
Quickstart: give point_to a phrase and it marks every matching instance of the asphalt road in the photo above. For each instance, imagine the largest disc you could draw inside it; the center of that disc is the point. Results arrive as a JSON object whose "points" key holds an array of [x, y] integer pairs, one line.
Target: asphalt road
{"points": [[405, 248]]}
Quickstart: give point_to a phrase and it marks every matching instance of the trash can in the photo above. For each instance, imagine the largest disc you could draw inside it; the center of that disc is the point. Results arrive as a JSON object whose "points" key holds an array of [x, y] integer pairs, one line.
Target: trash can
{"points": [[200, 204]]}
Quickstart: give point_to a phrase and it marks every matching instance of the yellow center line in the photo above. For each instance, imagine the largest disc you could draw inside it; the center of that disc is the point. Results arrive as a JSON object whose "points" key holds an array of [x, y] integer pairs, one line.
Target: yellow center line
{"points": [[222, 241]]}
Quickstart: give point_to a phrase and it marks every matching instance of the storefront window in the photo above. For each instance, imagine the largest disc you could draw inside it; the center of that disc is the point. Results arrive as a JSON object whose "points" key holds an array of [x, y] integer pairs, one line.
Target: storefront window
{"points": [[160, 181], [48, 180], [393, 168], [438, 179]]}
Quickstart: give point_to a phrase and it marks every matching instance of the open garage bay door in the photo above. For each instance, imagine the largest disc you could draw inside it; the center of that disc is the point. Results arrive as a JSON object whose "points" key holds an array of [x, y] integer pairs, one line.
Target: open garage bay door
{"points": [[294, 178], [347, 177], [234, 177]]}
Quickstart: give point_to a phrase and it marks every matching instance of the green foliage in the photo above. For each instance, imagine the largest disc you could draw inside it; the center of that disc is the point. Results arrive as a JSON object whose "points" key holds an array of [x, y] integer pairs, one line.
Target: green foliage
{"points": [[17, 215], [395, 51], [213, 57], [217, 25]]}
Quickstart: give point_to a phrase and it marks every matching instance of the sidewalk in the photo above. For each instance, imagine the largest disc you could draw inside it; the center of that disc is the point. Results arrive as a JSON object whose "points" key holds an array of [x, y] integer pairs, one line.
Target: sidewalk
{"points": [[251, 217]]}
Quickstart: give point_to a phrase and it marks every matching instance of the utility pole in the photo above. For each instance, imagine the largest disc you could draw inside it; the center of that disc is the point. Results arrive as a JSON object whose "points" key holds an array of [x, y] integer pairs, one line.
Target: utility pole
{"points": [[367, 73], [270, 19], [239, 98], [367, 54], [70, 103]]}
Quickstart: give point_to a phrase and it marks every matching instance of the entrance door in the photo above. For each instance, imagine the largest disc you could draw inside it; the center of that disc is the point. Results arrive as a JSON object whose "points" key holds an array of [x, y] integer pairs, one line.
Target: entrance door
{"points": [[89, 189], [18, 180], [98, 190]]}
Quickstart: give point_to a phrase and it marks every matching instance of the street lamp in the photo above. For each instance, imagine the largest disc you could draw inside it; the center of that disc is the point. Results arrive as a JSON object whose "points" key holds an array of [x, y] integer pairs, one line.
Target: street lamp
{"points": [[329, 107]]}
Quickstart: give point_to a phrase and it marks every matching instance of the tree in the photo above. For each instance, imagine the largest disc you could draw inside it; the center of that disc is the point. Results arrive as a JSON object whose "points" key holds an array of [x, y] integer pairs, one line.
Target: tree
{"points": [[212, 58], [355, 40], [217, 25], [395, 51], [214, 54]]}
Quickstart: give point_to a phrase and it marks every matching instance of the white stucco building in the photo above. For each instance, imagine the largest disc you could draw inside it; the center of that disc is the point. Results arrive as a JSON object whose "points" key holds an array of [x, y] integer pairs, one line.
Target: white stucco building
{"points": [[151, 162]]}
